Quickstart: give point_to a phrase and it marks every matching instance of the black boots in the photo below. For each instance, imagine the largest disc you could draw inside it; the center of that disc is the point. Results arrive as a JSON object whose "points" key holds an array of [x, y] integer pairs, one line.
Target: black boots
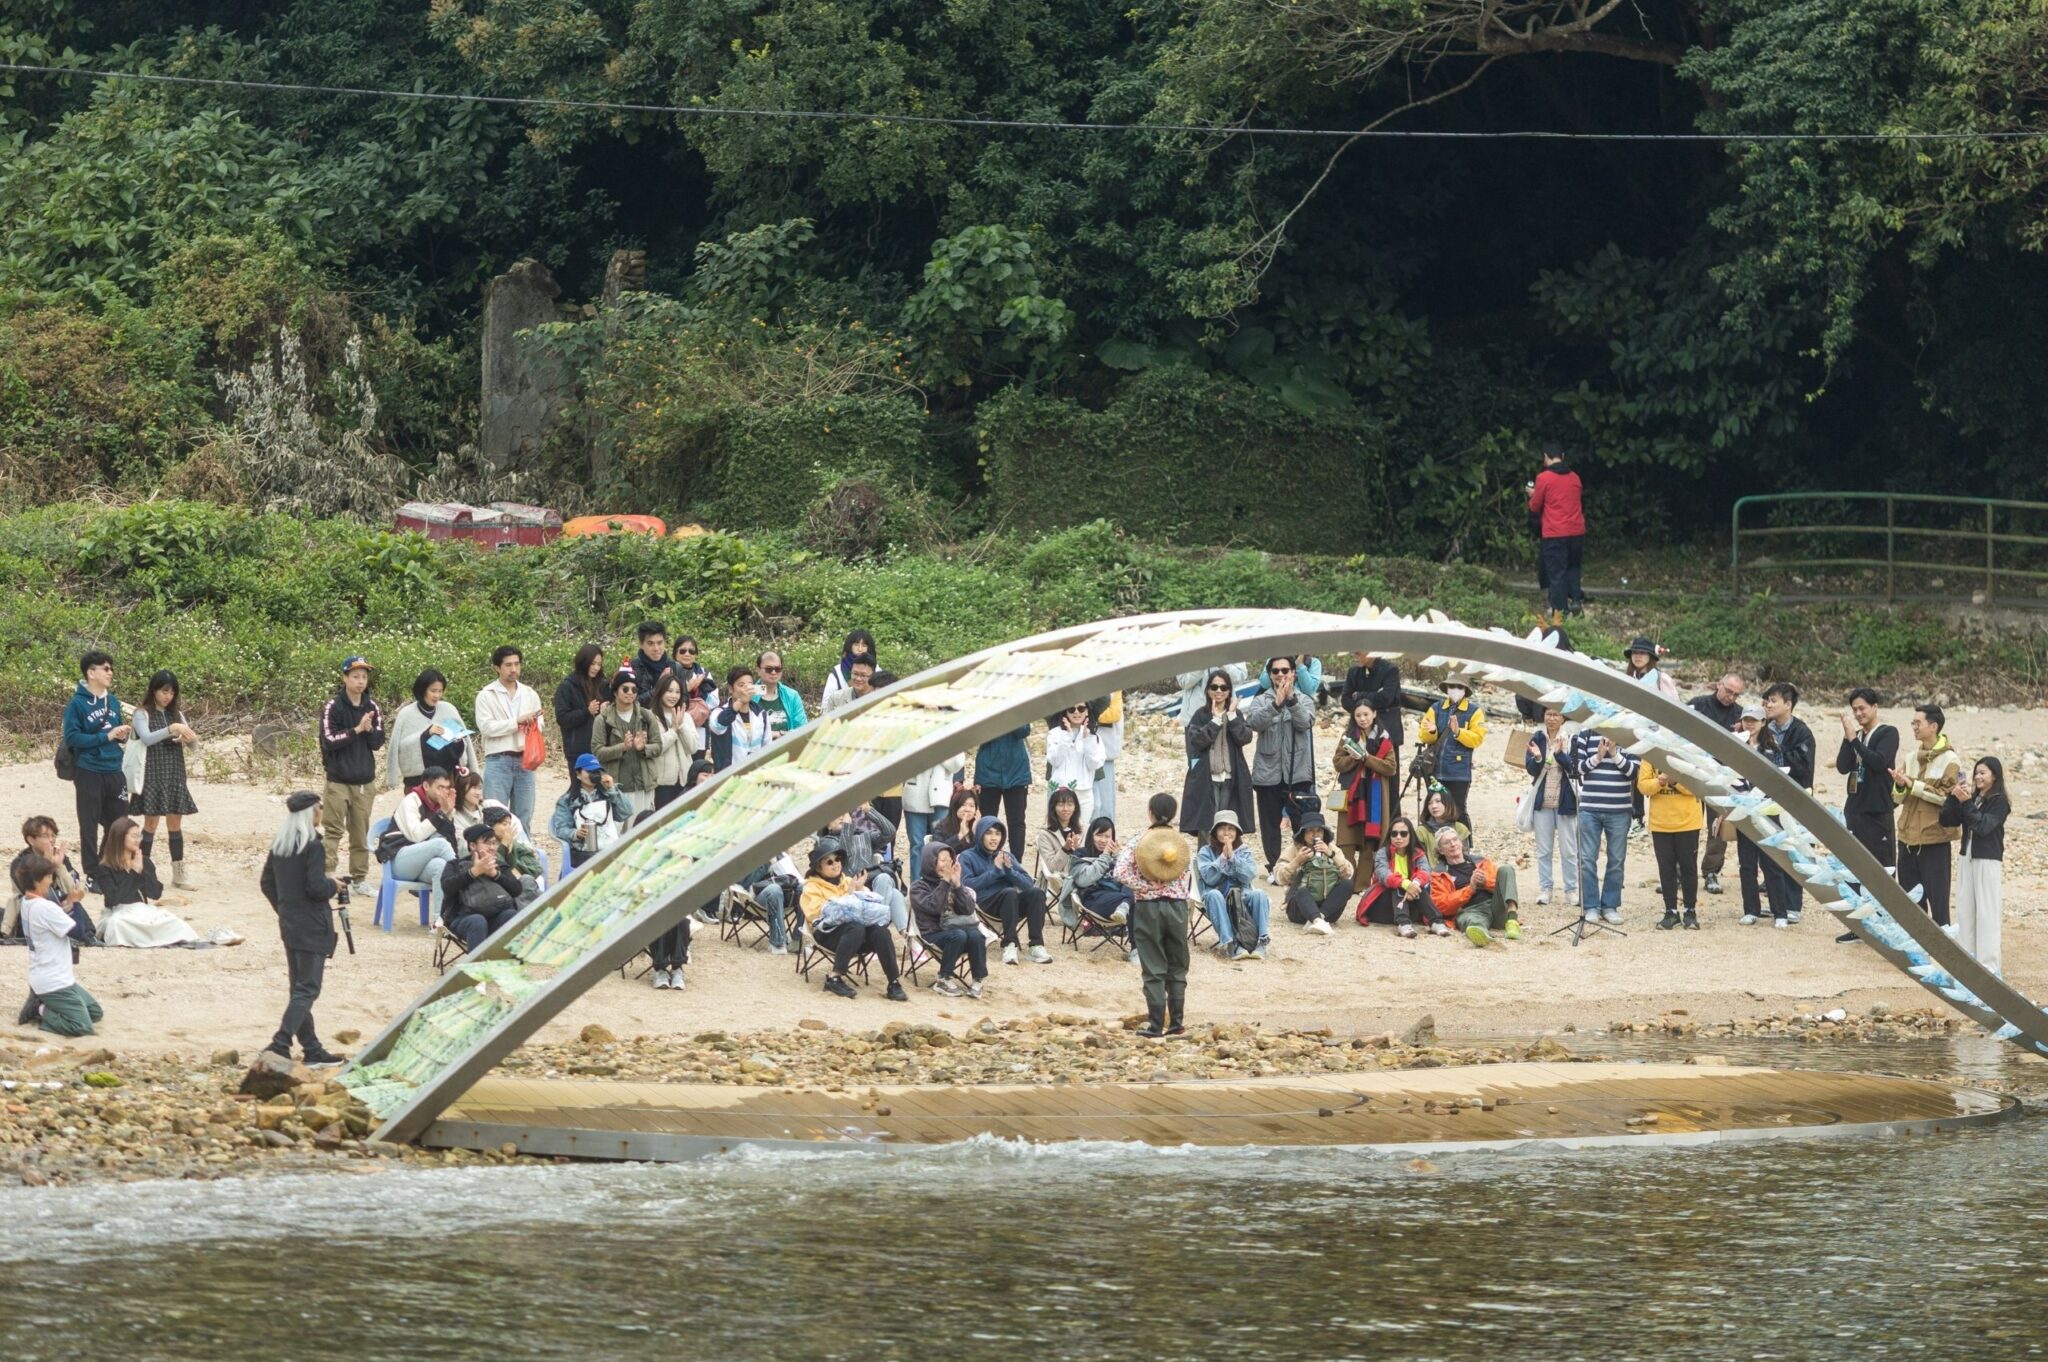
{"points": [[1152, 1030]]}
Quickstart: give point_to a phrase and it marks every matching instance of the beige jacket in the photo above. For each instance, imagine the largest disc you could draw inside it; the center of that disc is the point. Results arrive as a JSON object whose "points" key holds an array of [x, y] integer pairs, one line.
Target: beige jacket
{"points": [[1934, 771]]}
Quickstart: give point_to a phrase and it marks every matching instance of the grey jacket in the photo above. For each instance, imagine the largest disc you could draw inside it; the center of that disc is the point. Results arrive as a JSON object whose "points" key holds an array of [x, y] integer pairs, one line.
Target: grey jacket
{"points": [[1286, 754]]}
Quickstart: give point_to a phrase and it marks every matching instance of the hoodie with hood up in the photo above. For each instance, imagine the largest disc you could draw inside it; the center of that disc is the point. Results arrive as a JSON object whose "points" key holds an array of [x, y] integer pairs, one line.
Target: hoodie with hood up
{"points": [[934, 899], [978, 869]]}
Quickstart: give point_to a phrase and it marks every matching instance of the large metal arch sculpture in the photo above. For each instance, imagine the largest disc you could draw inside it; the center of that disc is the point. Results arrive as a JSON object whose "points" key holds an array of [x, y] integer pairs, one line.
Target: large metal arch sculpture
{"points": [[494, 999]]}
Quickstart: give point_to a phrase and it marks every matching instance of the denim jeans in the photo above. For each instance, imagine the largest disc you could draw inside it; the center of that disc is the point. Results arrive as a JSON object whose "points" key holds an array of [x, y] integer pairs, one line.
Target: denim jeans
{"points": [[423, 862], [511, 784], [1218, 909], [1594, 892], [1559, 831], [769, 895], [916, 826]]}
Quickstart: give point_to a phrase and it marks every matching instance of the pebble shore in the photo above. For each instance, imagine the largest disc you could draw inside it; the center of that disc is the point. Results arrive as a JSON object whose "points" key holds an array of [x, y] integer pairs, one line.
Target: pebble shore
{"points": [[70, 1115]]}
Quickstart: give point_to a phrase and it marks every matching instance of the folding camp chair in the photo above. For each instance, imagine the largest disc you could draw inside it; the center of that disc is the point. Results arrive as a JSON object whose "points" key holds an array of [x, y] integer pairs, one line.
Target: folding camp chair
{"points": [[448, 948], [1098, 931], [742, 919], [811, 953]]}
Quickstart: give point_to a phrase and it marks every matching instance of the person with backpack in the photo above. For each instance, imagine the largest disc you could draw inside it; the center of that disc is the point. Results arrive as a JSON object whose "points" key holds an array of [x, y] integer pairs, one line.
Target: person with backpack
{"points": [[1318, 877], [1225, 867], [351, 735], [89, 755], [479, 891], [1454, 727]]}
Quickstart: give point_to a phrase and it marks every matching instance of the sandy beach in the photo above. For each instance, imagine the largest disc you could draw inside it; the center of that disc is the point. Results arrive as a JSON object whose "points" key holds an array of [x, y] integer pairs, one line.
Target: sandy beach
{"points": [[1359, 980]]}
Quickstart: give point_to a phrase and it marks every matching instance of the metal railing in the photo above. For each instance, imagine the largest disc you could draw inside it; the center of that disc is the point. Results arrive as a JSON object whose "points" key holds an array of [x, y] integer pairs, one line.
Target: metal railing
{"points": [[1892, 531]]}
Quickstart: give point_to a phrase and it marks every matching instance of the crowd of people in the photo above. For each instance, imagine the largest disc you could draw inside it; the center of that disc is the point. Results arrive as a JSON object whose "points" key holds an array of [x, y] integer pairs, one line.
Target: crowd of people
{"points": [[954, 863]]}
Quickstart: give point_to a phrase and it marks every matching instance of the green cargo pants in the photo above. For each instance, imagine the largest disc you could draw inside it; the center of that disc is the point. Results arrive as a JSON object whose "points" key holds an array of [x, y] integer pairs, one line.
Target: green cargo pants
{"points": [[1159, 930], [70, 1011]]}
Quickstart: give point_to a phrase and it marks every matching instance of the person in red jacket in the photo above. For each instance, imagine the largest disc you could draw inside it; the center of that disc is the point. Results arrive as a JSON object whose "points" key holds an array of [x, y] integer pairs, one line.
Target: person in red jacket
{"points": [[1554, 499]]}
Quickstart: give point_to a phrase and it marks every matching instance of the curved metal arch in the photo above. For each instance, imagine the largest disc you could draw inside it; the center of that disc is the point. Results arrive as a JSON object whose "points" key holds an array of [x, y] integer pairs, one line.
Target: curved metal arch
{"points": [[645, 883]]}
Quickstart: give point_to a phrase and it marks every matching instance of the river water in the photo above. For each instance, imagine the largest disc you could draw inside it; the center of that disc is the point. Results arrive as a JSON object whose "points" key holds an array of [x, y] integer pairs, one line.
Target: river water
{"points": [[1926, 1246]]}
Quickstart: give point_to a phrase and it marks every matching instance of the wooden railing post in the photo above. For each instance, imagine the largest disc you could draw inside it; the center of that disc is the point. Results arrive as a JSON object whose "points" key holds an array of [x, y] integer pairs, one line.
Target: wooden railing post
{"points": [[1890, 522], [1990, 547]]}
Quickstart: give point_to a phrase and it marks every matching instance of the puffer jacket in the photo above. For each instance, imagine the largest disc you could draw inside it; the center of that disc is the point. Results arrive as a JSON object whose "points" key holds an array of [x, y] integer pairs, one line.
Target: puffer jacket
{"points": [[1286, 751]]}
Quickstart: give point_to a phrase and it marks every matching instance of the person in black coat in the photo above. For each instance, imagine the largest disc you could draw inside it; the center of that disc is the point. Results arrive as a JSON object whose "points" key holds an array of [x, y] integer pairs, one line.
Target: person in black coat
{"points": [[578, 698], [295, 881], [480, 892], [1218, 721]]}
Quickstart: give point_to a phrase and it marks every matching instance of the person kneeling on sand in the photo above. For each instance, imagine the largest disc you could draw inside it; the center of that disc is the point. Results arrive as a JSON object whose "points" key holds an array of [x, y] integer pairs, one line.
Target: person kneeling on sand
{"points": [[848, 919], [480, 892], [56, 1003], [947, 920], [1400, 885], [1226, 866], [1477, 893], [1155, 868], [296, 882], [1317, 875]]}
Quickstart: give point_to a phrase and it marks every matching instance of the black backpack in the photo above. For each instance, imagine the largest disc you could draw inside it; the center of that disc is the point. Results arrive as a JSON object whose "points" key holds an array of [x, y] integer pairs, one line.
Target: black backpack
{"points": [[67, 761]]}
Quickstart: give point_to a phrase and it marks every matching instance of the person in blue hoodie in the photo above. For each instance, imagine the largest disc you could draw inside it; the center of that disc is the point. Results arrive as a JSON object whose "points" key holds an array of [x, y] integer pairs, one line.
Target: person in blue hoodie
{"points": [[95, 737], [1002, 888], [1002, 781]]}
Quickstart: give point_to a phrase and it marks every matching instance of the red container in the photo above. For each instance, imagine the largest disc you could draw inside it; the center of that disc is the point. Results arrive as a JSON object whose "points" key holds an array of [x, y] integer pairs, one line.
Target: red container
{"points": [[501, 525], [435, 519]]}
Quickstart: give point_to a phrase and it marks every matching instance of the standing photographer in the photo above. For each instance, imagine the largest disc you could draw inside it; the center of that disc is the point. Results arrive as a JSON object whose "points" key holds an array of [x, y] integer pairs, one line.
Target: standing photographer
{"points": [[296, 883], [1284, 763]]}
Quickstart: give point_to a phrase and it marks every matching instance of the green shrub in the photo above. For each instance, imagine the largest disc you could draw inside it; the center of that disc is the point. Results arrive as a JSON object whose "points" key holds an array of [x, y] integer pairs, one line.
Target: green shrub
{"points": [[1189, 458], [775, 463]]}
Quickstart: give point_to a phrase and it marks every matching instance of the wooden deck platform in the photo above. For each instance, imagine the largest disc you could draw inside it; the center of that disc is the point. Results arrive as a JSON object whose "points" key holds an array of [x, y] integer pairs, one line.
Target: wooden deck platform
{"points": [[1482, 1106]]}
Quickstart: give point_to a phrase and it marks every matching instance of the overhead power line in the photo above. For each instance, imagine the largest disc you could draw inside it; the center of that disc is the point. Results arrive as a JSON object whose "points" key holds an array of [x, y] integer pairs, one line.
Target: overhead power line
{"points": [[1027, 124]]}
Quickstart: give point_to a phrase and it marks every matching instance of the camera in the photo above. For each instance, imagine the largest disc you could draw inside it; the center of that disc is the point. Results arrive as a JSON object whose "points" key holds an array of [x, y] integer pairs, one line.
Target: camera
{"points": [[341, 891]]}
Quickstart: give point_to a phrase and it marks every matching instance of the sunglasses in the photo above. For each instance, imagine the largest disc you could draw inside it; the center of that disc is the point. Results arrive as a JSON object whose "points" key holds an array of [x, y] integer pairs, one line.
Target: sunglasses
{"points": [[1392, 835], [686, 651], [1280, 671], [771, 671], [1219, 690]]}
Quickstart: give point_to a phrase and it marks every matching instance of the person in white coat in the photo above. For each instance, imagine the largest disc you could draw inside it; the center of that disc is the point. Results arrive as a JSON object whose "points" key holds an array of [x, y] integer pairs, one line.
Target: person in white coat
{"points": [[1073, 753], [926, 797]]}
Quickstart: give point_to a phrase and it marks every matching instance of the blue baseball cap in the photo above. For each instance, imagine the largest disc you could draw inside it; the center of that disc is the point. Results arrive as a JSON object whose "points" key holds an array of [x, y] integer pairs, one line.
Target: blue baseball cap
{"points": [[354, 662], [586, 762]]}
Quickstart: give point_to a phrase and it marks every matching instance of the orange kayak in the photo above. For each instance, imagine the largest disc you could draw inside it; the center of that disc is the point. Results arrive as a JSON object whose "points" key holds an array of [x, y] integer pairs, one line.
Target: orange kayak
{"points": [[615, 524]]}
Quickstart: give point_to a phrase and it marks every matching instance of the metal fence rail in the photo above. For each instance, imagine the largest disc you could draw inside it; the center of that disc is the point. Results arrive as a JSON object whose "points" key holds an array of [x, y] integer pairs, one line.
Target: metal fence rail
{"points": [[1893, 532]]}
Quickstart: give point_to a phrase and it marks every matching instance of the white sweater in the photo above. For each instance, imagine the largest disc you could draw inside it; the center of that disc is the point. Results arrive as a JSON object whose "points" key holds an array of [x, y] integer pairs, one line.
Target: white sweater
{"points": [[1071, 756], [498, 716]]}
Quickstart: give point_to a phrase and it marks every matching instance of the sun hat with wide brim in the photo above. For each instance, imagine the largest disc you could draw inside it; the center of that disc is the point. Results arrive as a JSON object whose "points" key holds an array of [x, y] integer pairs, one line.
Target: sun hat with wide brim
{"points": [[1225, 818], [1161, 855]]}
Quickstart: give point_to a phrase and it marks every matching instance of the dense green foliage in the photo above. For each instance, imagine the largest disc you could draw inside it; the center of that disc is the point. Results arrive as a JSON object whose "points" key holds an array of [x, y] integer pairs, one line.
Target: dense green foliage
{"points": [[255, 612], [1698, 319]]}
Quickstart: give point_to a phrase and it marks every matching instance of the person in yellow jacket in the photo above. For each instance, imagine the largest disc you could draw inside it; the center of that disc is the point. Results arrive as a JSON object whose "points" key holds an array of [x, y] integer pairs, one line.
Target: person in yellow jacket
{"points": [[1455, 726], [1676, 817], [1920, 783]]}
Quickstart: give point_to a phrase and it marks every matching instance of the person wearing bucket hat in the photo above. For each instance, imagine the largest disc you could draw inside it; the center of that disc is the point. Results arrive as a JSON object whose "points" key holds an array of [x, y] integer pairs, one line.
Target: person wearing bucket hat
{"points": [[1154, 867], [1318, 877], [351, 735], [1226, 869], [1642, 667], [591, 814]]}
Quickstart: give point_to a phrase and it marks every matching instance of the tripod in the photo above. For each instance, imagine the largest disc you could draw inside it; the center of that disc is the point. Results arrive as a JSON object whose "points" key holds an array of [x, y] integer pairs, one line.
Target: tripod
{"points": [[1581, 924]]}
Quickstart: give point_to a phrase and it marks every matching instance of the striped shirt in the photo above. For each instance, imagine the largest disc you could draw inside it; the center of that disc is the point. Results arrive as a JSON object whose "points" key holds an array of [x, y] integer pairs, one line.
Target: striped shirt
{"points": [[1604, 786]]}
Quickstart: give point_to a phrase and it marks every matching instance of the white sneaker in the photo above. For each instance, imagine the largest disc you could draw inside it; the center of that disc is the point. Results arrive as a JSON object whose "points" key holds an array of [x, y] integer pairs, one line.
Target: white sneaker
{"points": [[1749, 919], [675, 980], [1009, 955], [1406, 931], [1591, 915], [974, 988], [1321, 925], [1780, 923], [778, 950], [1543, 897], [1950, 929], [1040, 956], [1792, 916], [1611, 916], [950, 987], [1438, 929], [1571, 900]]}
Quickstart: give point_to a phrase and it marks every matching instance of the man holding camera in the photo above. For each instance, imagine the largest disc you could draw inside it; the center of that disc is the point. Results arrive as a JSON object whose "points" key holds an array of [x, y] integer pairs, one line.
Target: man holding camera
{"points": [[480, 892]]}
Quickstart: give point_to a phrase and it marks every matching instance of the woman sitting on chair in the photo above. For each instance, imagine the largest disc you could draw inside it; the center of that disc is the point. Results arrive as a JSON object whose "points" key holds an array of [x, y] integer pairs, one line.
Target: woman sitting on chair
{"points": [[422, 841], [1226, 866], [849, 920], [947, 921], [1054, 846], [1095, 885]]}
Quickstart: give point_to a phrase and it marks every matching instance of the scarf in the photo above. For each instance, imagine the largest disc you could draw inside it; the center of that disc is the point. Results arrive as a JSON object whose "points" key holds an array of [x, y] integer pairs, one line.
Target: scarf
{"points": [[1219, 752], [1365, 802]]}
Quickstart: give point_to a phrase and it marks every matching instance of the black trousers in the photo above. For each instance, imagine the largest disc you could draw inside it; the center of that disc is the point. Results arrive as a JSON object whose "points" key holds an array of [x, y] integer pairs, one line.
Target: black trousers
{"points": [[1013, 799], [1013, 905], [1928, 867], [101, 797], [1302, 907], [1873, 828], [671, 950], [891, 808], [307, 971], [849, 942], [1750, 863], [1678, 856], [955, 942], [1560, 563], [1273, 801], [476, 928], [1782, 890]]}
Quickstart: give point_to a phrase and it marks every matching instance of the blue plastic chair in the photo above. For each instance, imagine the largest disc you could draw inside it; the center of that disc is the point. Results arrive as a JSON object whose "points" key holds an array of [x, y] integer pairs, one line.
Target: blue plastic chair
{"points": [[389, 887], [563, 870]]}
